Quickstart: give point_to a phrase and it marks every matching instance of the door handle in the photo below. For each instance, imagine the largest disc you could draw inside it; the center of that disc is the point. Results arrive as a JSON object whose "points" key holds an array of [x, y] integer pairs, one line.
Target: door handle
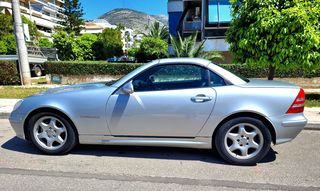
{"points": [[201, 98]]}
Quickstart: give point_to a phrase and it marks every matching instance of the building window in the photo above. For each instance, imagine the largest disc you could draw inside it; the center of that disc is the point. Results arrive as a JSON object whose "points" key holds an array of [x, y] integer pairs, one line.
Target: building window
{"points": [[219, 12]]}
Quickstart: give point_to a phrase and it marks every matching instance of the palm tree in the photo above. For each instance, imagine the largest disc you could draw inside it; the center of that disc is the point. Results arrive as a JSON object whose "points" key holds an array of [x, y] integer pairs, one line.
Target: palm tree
{"points": [[157, 31], [188, 47]]}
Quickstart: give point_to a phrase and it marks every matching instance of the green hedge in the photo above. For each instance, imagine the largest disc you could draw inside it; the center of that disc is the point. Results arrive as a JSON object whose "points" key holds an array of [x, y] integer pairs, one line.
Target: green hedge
{"points": [[9, 74], [105, 68], [89, 68], [284, 71]]}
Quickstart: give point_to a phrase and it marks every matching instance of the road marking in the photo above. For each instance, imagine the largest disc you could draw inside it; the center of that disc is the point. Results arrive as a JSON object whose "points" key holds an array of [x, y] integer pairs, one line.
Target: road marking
{"points": [[156, 179]]}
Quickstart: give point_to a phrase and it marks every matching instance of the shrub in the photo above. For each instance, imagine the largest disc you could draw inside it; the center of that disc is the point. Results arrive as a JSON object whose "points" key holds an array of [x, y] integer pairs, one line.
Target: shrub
{"points": [[89, 68], [83, 46], [132, 52], [64, 43], [275, 33], [112, 42], [152, 48], [104, 68], [3, 48], [10, 43], [282, 71], [45, 42], [9, 74]]}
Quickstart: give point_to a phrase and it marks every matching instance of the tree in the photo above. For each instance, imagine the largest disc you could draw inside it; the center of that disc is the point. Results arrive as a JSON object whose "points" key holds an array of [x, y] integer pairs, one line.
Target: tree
{"points": [[112, 42], [83, 47], [132, 52], [3, 48], [64, 42], [33, 30], [10, 43], [73, 13], [72, 48], [7, 39], [157, 31], [189, 47], [45, 42], [272, 33], [6, 26], [6, 33], [98, 50], [152, 48]]}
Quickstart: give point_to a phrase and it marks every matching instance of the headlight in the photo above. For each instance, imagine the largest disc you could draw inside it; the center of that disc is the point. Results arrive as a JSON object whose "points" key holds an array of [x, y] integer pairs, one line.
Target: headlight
{"points": [[17, 105]]}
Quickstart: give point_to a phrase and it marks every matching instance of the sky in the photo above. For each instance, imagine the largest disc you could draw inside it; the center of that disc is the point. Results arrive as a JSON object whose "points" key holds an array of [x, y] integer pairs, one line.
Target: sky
{"points": [[95, 8]]}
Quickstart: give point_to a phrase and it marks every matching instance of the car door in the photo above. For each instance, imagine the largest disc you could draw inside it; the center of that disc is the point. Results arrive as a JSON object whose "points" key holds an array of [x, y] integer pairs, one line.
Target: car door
{"points": [[172, 100]]}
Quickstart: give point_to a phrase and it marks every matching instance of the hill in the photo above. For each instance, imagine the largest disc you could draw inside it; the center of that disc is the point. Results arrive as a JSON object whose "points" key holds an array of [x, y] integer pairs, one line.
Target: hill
{"points": [[133, 19]]}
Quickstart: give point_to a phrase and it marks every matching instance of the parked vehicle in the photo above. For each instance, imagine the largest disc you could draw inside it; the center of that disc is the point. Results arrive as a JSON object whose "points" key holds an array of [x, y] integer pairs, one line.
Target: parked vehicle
{"points": [[170, 102], [121, 59], [37, 56]]}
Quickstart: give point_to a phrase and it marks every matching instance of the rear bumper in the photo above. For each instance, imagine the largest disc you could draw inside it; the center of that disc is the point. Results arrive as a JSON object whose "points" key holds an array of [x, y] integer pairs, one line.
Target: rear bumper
{"points": [[288, 126]]}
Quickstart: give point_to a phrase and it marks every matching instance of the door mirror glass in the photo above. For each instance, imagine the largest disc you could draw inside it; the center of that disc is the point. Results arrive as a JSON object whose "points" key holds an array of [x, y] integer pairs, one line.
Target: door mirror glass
{"points": [[127, 88]]}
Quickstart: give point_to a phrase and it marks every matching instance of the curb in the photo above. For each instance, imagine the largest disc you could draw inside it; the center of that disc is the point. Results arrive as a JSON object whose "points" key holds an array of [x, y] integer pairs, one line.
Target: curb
{"points": [[4, 115], [309, 126], [312, 126]]}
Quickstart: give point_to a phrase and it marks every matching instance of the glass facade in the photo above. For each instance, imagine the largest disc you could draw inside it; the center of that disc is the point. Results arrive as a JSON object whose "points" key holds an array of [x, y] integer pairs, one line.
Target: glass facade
{"points": [[219, 11]]}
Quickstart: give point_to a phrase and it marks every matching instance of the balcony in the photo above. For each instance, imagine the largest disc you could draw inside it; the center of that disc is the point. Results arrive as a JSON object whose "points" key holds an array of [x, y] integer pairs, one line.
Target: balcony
{"points": [[55, 7]]}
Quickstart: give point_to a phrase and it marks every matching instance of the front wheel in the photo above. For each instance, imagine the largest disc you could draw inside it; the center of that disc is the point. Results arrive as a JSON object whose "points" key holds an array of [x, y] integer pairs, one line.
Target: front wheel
{"points": [[51, 133], [243, 141]]}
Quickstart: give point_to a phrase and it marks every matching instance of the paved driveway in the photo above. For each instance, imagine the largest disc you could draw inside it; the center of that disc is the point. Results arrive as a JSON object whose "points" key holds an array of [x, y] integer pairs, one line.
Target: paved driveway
{"points": [[292, 166]]}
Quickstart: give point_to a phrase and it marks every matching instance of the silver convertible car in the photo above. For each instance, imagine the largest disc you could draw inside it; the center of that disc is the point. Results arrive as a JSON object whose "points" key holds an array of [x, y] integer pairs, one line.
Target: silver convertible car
{"points": [[171, 102]]}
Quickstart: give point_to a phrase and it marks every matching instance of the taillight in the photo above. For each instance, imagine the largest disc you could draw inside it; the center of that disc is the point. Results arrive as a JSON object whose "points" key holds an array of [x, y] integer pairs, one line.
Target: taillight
{"points": [[298, 104]]}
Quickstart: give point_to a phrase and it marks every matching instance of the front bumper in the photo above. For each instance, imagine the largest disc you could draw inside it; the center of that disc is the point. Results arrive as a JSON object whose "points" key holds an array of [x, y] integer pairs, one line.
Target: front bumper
{"points": [[288, 126], [17, 122]]}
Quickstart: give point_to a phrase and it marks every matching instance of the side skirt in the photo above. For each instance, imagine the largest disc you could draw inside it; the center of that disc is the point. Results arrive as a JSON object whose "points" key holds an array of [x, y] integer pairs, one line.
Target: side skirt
{"points": [[197, 142]]}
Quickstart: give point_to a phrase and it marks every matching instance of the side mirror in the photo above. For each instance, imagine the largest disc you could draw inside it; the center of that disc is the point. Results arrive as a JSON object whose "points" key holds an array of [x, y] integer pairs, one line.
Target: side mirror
{"points": [[127, 88]]}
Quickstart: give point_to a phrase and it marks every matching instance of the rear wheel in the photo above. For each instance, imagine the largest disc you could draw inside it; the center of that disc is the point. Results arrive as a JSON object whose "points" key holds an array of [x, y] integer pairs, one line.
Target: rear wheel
{"points": [[37, 71], [243, 141], [51, 133]]}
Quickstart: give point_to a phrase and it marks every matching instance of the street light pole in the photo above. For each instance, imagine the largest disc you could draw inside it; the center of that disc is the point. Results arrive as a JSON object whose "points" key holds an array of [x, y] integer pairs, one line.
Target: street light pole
{"points": [[21, 44]]}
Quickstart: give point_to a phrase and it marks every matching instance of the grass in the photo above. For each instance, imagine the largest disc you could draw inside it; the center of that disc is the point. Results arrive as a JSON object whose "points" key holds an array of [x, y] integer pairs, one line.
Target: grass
{"points": [[39, 81], [312, 103], [312, 100], [18, 92]]}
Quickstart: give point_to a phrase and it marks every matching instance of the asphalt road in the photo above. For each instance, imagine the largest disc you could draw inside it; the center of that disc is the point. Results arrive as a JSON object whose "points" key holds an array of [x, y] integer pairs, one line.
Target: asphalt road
{"points": [[292, 166]]}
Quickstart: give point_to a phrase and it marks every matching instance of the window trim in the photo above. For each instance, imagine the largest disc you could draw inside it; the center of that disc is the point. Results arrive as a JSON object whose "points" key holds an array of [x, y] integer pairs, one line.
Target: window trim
{"points": [[228, 83], [187, 64], [173, 64]]}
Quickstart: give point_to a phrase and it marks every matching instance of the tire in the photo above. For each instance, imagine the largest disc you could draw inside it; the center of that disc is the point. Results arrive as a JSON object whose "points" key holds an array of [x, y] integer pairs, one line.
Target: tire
{"points": [[37, 71], [243, 141], [52, 133]]}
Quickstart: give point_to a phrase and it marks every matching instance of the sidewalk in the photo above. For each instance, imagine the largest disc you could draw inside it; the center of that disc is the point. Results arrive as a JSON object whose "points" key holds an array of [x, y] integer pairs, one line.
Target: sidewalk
{"points": [[311, 113], [6, 106]]}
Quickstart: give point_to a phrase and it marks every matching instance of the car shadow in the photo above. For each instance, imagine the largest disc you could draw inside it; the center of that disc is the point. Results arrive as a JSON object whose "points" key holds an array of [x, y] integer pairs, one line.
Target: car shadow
{"points": [[167, 153]]}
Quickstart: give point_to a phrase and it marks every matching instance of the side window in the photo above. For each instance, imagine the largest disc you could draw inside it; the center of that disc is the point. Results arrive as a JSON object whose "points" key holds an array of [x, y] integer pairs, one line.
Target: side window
{"points": [[170, 77], [216, 80]]}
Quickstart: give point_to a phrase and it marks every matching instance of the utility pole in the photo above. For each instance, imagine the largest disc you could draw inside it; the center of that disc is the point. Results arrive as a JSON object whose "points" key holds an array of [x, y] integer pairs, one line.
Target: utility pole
{"points": [[21, 44]]}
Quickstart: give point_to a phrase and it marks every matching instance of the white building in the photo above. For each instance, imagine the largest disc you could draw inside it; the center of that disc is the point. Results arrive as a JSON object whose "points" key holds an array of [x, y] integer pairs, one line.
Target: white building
{"points": [[44, 13], [98, 25]]}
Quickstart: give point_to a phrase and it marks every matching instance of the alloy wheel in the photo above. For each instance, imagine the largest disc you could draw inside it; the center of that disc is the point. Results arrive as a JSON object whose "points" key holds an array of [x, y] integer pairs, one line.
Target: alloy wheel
{"points": [[243, 141], [50, 133]]}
